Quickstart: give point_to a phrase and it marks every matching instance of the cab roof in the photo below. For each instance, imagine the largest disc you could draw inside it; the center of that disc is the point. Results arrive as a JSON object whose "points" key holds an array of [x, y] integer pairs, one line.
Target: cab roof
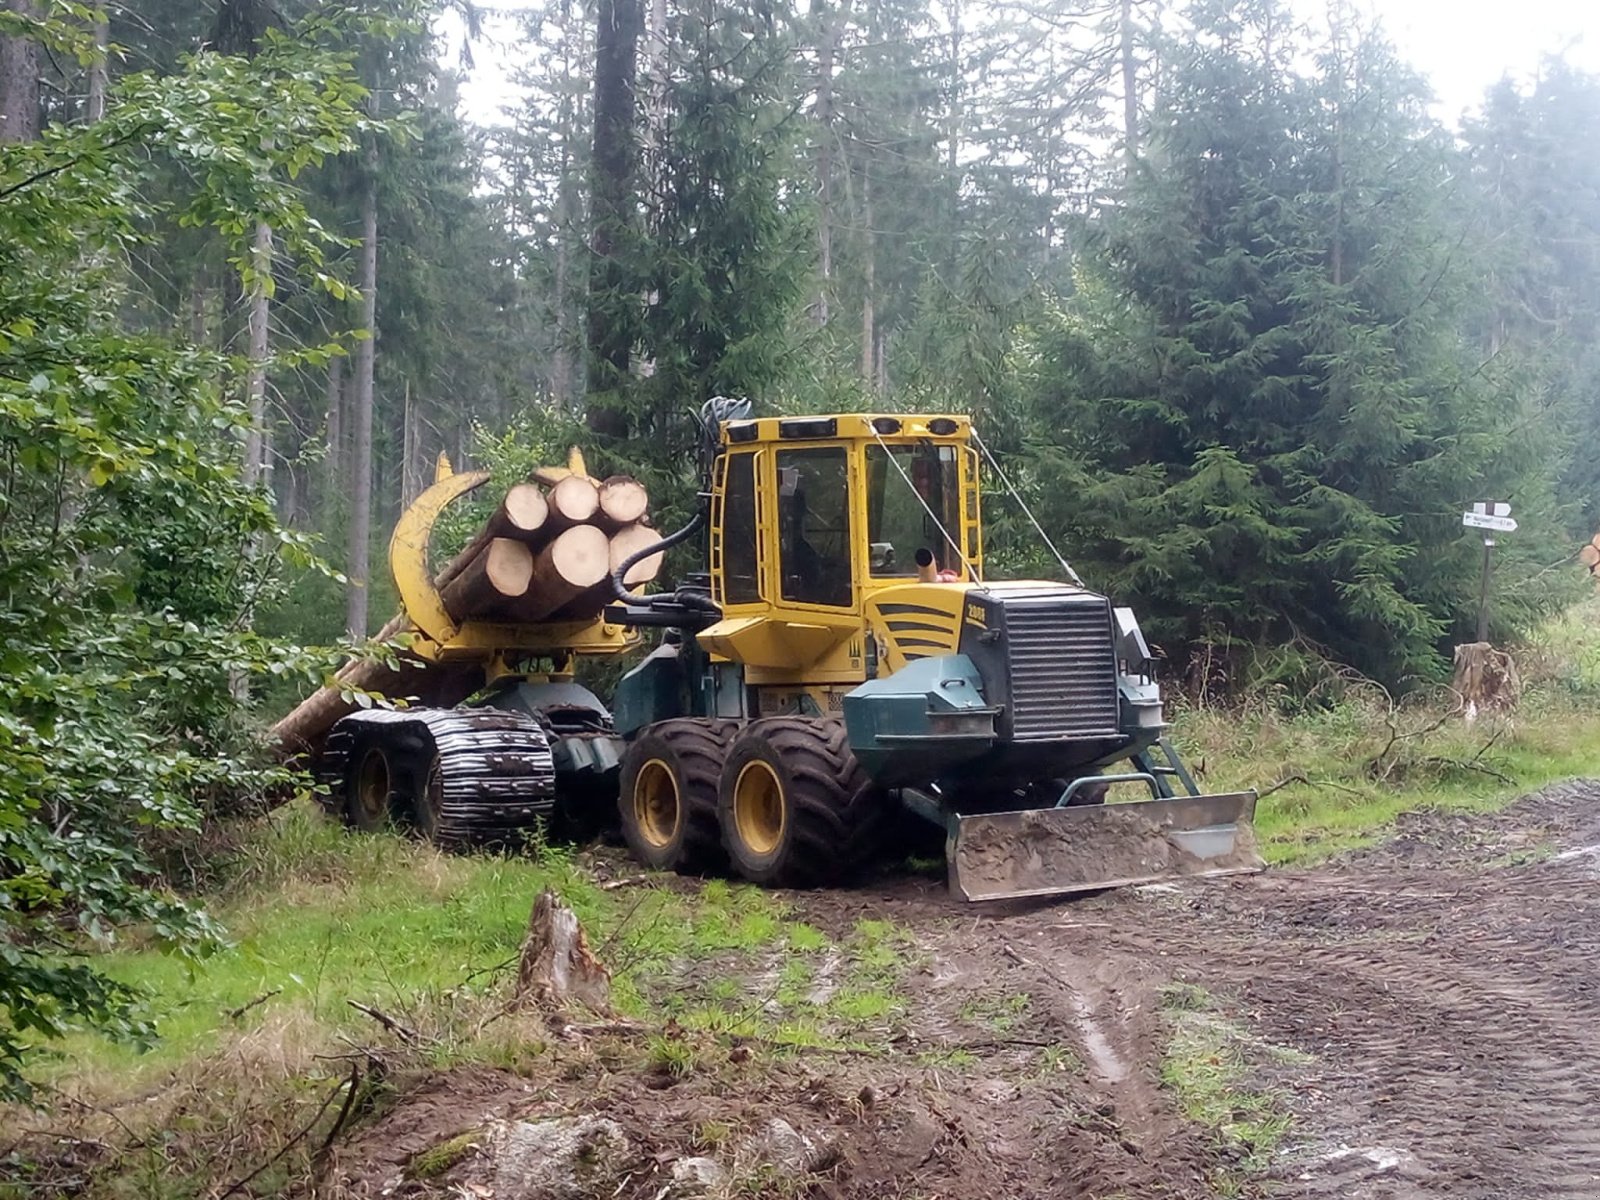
{"points": [[867, 427]]}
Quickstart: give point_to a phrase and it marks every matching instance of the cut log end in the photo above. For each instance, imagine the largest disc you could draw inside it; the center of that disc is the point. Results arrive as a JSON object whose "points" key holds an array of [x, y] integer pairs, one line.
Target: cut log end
{"points": [[523, 512], [573, 501], [631, 541], [570, 565], [500, 573], [623, 501]]}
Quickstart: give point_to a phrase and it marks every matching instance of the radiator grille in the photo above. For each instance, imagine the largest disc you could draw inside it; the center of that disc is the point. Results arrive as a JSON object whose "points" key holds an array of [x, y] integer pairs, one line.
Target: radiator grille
{"points": [[1063, 668]]}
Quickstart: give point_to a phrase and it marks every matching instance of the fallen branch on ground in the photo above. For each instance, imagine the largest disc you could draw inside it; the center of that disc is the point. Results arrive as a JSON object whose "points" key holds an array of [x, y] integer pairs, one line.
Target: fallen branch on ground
{"points": [[344, 1115], [299, 1137], [402, 1031], [1282, 783], [629, 881], [234, 1014]]}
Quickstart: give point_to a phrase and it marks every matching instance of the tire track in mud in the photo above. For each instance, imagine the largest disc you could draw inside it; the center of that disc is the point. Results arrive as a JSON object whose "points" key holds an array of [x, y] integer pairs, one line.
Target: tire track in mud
{"points": [[1447, 997], [1471, 1073], [1458, 1030]]}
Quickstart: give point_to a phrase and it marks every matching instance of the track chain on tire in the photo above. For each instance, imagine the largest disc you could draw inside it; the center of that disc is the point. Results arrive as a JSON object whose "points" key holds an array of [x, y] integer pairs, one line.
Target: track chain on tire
{"points": [[497, 779]]}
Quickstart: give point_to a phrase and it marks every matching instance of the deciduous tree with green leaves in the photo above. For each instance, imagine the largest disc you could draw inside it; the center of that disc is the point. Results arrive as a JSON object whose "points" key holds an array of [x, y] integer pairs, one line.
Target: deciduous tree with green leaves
{"points": [[124, 516]]}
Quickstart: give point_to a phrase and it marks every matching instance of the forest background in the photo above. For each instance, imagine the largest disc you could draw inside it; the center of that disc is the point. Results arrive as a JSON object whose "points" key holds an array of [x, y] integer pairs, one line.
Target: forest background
{"points": [[1246, 324]]}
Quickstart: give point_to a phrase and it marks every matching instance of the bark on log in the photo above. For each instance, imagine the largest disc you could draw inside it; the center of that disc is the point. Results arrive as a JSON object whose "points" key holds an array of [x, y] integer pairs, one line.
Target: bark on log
{"points": [[302, 729], [496, 577], [573, 563], [573, 501], [522, 514], [557, 968], [623, 501]]}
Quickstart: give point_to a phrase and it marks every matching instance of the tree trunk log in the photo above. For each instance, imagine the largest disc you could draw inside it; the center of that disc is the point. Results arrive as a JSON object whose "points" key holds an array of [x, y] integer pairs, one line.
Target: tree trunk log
{"points": [[360, 477], [496, 577], [628, 542], [573, 501], [523, 514], [19, 81], [569, 566], [623, 501]]}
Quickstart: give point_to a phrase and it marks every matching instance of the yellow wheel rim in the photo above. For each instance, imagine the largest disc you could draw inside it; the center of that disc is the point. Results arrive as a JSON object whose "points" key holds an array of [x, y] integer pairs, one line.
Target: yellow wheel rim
{"points": [[372, 784], [655, 802], [758, 807]]}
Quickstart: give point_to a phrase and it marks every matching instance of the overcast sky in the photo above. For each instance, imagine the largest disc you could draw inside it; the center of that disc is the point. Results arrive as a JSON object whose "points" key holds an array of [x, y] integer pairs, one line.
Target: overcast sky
{"points": [[1462, 46]]}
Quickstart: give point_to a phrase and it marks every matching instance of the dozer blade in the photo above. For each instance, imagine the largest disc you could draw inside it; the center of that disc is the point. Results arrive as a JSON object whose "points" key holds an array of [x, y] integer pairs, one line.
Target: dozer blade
{"points": [[1051, 851]]}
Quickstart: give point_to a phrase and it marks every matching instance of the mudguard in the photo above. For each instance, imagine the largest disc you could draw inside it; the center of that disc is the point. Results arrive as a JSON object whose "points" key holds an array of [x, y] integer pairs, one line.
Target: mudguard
{"points": [[1054, 851]]}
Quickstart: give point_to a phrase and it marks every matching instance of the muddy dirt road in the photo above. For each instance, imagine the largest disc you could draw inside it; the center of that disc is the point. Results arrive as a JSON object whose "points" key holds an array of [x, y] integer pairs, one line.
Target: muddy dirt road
{"points": [[1425, 1014]]}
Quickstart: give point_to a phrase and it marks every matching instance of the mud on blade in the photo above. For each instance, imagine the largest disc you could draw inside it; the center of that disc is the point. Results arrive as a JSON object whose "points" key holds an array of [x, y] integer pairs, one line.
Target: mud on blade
{"points": [[1046, 851]]}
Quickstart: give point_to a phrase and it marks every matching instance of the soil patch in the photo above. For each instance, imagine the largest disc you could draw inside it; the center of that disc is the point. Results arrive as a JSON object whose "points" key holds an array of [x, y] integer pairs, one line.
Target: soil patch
{"points": [[1427, 1012]]}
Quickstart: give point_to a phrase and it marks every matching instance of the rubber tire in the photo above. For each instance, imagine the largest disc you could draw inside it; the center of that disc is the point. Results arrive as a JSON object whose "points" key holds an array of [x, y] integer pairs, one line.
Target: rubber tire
{"points": [[834, 819], [693, 749], [352, 811], [423, 812]]}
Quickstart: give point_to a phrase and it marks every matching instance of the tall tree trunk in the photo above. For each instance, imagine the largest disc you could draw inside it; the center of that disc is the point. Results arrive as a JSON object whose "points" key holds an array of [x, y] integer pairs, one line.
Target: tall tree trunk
{"points": [[333, 459], [1130, 88], [257, 323], [1336, 255], [655, 75], [567, 363], [953, 134], [825, 55], [613, 170], [413, 462], [98, 69], [869, 288], [19, 81], [197, 307], [355, 619]]}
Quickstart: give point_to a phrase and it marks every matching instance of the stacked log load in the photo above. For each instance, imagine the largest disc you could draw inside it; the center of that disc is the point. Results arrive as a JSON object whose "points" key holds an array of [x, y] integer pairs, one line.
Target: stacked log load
{"points": [[546, 553]]}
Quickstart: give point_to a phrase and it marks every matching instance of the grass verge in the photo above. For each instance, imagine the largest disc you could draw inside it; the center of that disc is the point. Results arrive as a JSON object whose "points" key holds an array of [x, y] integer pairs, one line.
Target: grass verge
{"points": [[259, 1040], [1207, 1067], [1335, 776]]}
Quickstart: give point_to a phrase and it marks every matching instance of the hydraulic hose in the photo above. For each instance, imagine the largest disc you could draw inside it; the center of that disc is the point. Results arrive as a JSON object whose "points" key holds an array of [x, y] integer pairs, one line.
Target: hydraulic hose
{"points": [[689, 598]]}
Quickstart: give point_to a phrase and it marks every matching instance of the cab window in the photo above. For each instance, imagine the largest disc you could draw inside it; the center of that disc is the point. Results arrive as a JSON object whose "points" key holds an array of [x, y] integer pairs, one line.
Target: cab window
{"points": [[814, 526], [911, 491], [740, 583]]}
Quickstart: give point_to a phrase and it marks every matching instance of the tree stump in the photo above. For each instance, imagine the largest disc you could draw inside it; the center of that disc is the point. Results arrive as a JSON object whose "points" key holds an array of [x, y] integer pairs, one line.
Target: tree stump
{"points": [[1486, 679], [557, 968]]}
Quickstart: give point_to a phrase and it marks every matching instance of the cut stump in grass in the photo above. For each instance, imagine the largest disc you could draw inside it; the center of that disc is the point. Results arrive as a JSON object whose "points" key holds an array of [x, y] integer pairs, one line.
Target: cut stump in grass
{"points": [[1486, 679], [557, 968]]}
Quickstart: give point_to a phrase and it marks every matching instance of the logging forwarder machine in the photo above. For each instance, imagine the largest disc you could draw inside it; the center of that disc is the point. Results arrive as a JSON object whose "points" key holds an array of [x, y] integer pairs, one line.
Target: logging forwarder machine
{"points": [[841, 667]]}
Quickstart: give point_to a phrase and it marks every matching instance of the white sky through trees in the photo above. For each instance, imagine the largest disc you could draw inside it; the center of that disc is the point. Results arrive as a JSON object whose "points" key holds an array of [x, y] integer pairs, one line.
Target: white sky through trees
{"points": [[1462, 46]]}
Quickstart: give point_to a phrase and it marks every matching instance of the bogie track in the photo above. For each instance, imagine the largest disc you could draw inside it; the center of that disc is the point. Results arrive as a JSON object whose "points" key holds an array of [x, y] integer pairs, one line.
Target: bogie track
{"points": [[459, 776]]}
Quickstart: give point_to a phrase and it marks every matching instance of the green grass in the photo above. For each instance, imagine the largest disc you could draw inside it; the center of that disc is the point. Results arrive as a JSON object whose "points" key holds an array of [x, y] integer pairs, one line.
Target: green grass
{"points": [[317, 916], [999, 1013], [1206, 1067], [1350, 781]]}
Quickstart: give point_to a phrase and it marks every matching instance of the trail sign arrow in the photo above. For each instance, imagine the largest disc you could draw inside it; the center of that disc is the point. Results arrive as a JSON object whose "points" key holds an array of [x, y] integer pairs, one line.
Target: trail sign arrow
{"points": [[1474, 520]]}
